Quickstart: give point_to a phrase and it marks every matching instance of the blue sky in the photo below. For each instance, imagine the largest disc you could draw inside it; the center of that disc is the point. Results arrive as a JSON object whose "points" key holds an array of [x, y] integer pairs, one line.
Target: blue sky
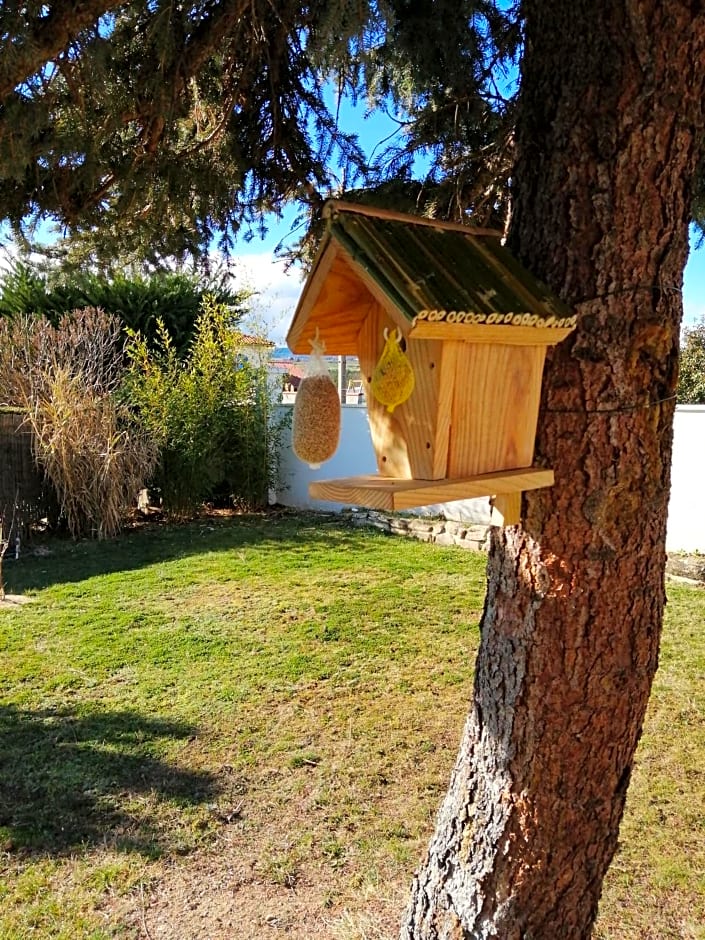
{"points": [[694, 285]]}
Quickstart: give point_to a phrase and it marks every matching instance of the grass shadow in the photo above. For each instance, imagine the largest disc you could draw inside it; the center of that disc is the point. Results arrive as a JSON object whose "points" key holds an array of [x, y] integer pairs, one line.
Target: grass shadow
{"points": [[70, 779], [61, 561]]}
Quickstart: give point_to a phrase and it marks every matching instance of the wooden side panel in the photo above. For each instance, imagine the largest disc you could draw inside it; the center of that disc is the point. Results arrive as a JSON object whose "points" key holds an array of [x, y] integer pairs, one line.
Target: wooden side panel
{"points": [[388, 430], [334, 206], [495, 408], [426, 415], [412, 442]]}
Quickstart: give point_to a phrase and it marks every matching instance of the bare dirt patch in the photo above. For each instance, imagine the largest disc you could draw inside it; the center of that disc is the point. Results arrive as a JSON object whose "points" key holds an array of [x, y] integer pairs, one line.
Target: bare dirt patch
{"points": [[13, 601], [223, 897]]}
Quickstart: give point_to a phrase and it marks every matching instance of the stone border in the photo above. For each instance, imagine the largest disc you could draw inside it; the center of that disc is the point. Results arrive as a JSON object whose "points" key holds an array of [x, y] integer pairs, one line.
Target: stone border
{"points": [[683, 569], [438, 531], [686, 569]]}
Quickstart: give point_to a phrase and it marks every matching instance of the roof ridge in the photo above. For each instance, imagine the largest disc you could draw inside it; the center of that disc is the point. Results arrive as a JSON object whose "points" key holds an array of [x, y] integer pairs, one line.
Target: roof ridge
{"points": [[334, 206]]}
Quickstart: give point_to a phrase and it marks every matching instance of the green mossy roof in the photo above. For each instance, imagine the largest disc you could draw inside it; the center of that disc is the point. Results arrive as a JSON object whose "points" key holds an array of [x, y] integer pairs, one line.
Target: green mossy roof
{"points": [[422, 267]]}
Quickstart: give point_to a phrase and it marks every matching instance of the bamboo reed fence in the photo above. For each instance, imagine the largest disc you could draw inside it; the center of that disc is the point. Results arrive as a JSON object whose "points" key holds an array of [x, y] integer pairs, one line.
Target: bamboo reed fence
{"points": [[23, 495]]}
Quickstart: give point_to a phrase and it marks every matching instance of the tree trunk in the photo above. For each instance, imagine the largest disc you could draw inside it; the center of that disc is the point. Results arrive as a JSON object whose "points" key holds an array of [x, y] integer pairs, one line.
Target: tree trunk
{"points": [[609, 128]]}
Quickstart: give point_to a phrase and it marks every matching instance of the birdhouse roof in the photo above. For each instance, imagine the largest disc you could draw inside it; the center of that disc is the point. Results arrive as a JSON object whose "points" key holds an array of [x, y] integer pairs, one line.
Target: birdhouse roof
{"points": [[434, 279]]}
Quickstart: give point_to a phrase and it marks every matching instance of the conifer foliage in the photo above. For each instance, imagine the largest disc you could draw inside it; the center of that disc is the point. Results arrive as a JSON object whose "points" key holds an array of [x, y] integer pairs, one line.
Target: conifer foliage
{"points": [[148, 130], [159, 124]]}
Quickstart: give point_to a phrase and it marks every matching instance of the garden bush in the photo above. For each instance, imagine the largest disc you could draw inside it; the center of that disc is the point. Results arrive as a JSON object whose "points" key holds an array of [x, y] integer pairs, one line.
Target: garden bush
{"points": [[210, 413], [691, 377], [138, 302]]}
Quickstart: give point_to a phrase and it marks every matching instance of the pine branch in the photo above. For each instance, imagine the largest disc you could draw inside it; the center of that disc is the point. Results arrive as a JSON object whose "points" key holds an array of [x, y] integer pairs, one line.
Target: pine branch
{"points": [[46, 37]]}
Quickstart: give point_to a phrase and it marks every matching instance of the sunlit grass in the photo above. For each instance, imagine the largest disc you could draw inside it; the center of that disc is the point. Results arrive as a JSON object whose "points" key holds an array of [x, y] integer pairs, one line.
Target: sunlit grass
{"points": [[656, 886], [291, 691], [280, 678]]}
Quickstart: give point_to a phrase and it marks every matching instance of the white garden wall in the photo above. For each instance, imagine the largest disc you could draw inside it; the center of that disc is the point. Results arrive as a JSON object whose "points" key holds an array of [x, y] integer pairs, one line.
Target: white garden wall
{"points": [[686, 510], [686, 518]]}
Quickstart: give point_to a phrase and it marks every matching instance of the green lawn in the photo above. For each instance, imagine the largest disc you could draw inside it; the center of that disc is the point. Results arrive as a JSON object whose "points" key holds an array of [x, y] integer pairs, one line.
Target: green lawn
{"points": [[291, 692]]}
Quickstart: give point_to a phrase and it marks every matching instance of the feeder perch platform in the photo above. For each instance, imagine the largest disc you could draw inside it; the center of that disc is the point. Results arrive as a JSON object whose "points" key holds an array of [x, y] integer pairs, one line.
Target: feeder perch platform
{"points": [[377, 492]]}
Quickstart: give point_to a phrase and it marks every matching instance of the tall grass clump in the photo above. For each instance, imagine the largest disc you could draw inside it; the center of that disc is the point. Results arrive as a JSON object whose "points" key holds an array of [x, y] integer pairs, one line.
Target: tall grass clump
{"points": [[210, 413], [66, 380]]}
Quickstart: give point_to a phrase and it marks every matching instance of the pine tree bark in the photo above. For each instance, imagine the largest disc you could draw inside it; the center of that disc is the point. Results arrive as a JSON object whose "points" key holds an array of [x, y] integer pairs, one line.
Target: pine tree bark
{"points": [[610, 126]]}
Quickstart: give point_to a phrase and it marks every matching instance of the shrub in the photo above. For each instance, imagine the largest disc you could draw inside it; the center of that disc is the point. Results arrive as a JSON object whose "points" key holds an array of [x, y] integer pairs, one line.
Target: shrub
{"points": [[138, 302], [65, 379], [691, 377], [210, 414]]}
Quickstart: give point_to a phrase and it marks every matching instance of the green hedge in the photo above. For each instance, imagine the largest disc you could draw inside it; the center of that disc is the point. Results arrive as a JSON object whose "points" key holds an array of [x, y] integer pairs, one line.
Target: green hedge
{"points": [[139, 302]]}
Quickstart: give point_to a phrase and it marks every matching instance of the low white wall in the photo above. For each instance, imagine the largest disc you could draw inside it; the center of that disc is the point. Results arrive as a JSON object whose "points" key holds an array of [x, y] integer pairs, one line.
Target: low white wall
{"points": [[686, 516], [354, 456], [686, 510]]}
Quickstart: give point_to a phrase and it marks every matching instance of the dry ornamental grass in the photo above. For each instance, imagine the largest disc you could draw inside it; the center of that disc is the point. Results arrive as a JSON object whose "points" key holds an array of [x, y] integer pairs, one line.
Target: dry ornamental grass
{"points": [[64, 379], [95, 459]]}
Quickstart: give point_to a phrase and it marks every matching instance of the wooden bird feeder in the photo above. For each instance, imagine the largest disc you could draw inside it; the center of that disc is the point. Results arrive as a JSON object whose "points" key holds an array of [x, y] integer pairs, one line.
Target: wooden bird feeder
{"points": [[476, 326]]}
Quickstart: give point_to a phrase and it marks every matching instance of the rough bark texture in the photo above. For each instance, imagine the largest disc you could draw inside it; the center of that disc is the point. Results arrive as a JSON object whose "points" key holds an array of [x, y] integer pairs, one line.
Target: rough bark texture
{"points": [[610, 123]]}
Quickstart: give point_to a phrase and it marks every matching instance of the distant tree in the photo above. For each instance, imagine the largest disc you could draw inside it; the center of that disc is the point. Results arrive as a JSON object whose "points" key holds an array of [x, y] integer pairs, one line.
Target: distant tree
{"points": [[691, 377]]}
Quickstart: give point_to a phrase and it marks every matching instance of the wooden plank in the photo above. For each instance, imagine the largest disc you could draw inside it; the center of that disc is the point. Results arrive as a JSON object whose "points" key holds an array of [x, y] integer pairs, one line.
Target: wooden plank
{"points": [[506, 509], [314, 285], [379, 492], [337, 308], [334, 205], [427, 413], [495, 408], [504, 335], [339, 333]]}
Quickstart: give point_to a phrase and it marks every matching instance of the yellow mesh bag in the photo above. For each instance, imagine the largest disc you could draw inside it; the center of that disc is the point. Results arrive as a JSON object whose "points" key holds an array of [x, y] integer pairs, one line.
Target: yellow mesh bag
{"points": [[393, 378]]}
